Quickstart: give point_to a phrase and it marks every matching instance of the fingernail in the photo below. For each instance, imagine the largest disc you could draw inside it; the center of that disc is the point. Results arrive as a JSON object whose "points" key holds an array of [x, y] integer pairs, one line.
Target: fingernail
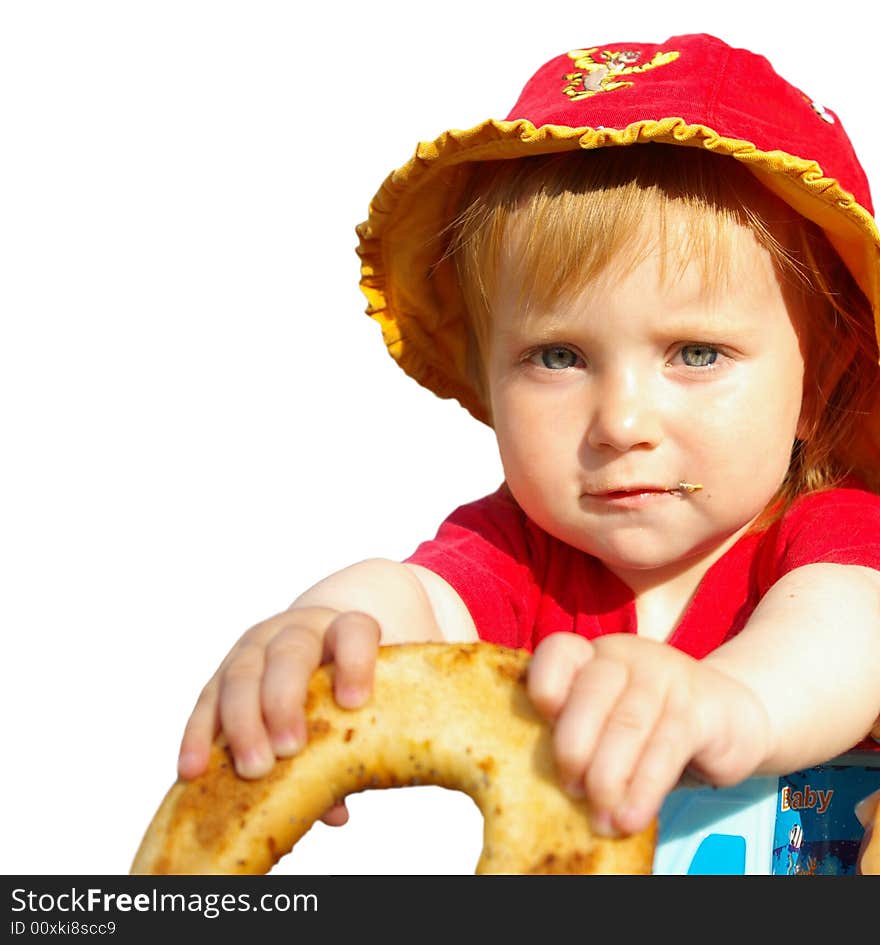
{"points": [[286, 744], [603, 824], [253, 764], [186, 763], [351, 697], [629, 819]]}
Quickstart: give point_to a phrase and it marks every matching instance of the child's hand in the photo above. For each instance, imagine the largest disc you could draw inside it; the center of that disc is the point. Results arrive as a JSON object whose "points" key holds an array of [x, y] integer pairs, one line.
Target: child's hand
{"points": [[257, 695], [630, 715]]}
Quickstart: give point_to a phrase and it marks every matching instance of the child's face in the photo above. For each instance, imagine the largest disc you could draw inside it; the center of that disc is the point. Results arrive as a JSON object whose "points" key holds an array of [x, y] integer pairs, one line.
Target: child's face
{"points": [[602, 403]]}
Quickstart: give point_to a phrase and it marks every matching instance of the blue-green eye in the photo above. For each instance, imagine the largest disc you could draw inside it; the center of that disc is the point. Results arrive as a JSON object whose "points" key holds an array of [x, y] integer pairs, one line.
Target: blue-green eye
{"points": [[558, 359], [699, 355]]}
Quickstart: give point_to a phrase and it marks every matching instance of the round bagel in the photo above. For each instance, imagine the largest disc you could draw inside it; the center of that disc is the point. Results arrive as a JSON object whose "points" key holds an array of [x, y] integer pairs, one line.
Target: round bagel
{"points": [[454, 715]]}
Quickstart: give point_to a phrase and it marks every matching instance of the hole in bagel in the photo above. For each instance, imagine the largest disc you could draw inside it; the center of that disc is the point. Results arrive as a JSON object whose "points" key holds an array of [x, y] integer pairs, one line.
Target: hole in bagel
{"points": [[415, 830]]}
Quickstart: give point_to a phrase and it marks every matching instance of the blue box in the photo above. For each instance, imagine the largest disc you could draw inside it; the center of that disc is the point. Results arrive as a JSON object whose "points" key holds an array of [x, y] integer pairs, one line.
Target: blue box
{"points": [[817, 832], [799, 824]]}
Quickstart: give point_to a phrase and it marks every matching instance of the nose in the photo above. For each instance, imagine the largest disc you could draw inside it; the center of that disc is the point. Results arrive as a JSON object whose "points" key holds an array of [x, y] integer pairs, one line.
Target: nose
{"points": [[625, 413]]}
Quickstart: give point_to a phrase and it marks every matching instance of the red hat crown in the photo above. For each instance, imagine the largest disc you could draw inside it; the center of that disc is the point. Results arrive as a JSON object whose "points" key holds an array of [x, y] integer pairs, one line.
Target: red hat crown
{"points": [[702, 80]]}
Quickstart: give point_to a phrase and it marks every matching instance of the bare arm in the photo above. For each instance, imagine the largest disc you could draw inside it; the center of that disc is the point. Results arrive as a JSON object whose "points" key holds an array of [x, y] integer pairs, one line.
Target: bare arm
{"points": [[811, 655], [409, 602], [257, 695]]}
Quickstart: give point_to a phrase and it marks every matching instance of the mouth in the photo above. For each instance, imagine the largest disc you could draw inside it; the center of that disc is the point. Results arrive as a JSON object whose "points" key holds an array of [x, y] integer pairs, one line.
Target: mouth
{"points": [[680, 488], [629, 491]]}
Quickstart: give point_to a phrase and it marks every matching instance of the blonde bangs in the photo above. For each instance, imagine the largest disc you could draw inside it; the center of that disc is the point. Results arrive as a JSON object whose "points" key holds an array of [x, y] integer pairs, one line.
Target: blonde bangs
{"points": [[556, 223]]}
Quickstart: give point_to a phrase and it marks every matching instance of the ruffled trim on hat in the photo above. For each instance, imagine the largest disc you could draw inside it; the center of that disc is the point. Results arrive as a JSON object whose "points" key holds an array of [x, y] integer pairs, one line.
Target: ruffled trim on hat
{"points": [[417, 302]]}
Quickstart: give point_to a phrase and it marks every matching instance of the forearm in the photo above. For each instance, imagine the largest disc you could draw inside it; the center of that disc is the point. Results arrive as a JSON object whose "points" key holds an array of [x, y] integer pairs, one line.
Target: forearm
{"points": [[811, 655], [409, 603]]}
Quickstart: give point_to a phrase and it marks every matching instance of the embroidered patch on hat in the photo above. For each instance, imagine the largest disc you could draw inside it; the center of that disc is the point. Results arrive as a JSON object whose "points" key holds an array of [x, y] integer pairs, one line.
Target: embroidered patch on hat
{"points": [[604, 76]]}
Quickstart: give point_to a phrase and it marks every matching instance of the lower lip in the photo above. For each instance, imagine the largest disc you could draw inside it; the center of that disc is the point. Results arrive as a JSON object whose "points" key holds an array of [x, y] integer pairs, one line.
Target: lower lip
{"points": [[626, 500]]}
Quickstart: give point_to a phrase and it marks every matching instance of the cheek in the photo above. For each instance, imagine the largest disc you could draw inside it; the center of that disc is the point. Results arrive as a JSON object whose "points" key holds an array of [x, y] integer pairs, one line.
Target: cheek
{"points": [[749, 436], [746, 433], [533, 436], [776, 409], [522, 443]]}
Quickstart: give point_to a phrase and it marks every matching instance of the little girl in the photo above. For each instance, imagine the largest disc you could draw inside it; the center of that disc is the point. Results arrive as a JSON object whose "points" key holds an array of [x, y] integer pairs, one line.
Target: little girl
{"points": [[659, 281]]}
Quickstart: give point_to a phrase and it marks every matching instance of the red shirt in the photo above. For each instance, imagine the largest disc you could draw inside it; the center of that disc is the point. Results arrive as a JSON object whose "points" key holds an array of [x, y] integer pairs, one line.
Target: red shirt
{"points": [[520, 584]]}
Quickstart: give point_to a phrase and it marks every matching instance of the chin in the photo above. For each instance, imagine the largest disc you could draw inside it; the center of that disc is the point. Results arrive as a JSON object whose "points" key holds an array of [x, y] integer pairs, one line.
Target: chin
{"points": [[638, 555], [640, 562]]}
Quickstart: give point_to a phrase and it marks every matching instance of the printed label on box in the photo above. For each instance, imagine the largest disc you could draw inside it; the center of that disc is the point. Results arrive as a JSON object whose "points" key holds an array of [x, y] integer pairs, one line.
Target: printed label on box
{"points": [[817, 832]]}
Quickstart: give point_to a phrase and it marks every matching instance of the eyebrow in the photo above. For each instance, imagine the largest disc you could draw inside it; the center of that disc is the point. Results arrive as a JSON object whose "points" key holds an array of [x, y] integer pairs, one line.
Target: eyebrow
{"points": [[712, 325], [546, 330]]}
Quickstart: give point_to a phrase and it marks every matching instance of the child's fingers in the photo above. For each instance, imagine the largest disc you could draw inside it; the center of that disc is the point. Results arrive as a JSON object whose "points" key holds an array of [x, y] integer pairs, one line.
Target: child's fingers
{"points": [[205, 720], [621, 743], [240, 710], [594, 692], [257, 697], [201, 728], [656, 773], [336, 816], [292, 655], [553, 668], [352, 642]]}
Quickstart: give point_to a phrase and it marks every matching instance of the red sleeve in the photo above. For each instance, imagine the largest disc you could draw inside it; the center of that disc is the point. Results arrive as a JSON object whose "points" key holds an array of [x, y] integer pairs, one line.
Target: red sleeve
{"points": [[841, 526], [486, 551]]}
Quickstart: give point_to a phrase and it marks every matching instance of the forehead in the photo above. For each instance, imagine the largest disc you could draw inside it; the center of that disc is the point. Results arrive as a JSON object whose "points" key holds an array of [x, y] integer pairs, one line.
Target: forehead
{"points": [[700, 264]]}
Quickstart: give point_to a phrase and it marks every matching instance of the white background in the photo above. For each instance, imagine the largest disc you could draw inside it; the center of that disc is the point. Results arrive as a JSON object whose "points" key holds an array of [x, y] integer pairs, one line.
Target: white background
{"points": [[198, 421]]}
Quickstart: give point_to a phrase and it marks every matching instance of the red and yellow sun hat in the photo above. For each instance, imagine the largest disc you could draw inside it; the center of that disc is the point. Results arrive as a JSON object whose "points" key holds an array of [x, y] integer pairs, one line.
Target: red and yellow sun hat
{"points": [[692, 91]]}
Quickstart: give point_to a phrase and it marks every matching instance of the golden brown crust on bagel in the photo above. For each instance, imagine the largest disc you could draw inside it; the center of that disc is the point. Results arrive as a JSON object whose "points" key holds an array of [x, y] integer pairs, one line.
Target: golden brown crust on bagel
{"points": [[454, 715]]}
